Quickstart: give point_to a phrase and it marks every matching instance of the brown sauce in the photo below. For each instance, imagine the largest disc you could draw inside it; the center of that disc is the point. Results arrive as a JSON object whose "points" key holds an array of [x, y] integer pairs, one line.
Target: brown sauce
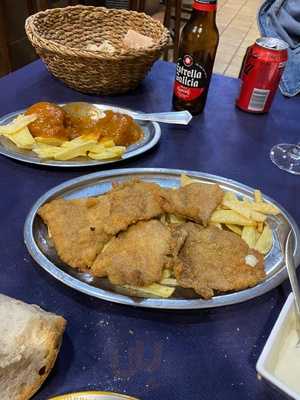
{"points": [[53, 121], [50, 121]]}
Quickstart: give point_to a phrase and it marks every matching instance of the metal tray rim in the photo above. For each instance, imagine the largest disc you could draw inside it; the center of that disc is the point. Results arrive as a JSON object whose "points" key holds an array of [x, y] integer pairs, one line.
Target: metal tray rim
{"points": [[217, 301]]}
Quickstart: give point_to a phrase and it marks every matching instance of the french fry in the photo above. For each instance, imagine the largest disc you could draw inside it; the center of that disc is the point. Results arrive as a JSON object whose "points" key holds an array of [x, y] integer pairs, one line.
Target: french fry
{"points": [[230, 196], [67, 153], [186, 180], [217, 224], [52, 141], [265, 241], [17, 124], [97, 148], [249, 235], [45, 151], [258, 196], [154, 290], [260, 227], [230, 217], [21, 138], [166, 273], [163, 219], [234, 228], [264, 208], [169, 282], [174, 219], [106, 142], [246, 212], [80, 140], [108, 153]]}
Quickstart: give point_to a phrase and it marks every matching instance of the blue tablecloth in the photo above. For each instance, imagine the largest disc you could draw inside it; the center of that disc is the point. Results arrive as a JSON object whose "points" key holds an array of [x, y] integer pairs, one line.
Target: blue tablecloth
{"points": [[205, 354]]}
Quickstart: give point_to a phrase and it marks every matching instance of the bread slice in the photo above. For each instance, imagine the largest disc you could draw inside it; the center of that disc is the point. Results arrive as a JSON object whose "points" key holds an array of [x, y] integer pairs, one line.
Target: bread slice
{"points": [[30, 339], [135, 40]]}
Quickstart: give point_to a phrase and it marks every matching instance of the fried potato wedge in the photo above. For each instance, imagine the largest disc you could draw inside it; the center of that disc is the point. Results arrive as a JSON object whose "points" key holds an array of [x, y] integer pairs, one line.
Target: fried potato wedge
{"points": [[264, 208], [169, 282], [17, 124], [51, 141], [174, 219], [258, 196], [260, 227], [217, 224], [234, 228], [245, 211], [22, 138], [106, 142], [250, 235], [265, 241], [154, 290], [230, 196], [80, 140], [231, 217], [167, 273], [45, 151], [70, 152], [108, 153], [186, 180]]}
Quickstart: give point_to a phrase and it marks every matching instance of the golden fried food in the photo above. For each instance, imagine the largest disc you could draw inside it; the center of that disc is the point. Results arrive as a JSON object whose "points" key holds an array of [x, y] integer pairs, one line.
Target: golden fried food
{"points": [[51, 120], [77, 235], [80, 228], [138, 235], [131, 202], [138, 256], [213, 260], [195, 201]]}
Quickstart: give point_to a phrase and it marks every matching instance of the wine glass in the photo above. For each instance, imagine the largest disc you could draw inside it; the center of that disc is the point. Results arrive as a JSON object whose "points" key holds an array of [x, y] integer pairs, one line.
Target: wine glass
{"points": [[287, 157]]}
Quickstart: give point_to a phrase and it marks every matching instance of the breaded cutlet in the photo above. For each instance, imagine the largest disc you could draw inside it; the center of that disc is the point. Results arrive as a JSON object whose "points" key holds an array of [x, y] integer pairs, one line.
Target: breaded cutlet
{"points": [[214, 260]]}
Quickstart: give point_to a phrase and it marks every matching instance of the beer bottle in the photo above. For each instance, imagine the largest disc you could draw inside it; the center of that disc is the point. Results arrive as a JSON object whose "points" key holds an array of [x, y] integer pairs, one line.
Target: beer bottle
{"points": [[198, 45]]}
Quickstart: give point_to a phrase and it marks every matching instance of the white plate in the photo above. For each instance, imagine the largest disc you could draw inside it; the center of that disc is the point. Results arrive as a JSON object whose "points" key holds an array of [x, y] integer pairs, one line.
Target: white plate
{"points": [[268, 359]]}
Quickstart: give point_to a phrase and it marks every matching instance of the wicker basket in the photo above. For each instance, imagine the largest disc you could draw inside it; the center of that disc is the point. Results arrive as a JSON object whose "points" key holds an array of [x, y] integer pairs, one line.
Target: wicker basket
{"points": [[60, 37]]}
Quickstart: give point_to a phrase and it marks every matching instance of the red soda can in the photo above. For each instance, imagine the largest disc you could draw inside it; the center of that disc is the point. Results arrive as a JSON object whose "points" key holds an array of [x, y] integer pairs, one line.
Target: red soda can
{"points": [[260, 74]]}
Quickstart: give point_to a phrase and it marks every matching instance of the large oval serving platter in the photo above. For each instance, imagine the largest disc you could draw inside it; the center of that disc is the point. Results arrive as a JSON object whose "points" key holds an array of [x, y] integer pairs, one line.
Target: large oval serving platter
{"points": [[151, 131], [43, 252]]}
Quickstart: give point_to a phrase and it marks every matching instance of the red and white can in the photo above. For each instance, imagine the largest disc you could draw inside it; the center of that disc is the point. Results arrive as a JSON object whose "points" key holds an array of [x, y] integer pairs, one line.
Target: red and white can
{"points": [[260, 74]]}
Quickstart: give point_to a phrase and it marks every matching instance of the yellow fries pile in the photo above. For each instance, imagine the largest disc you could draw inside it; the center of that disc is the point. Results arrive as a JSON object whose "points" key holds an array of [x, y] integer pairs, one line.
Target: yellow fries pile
{"points": [[244, 217], [52, 148]]}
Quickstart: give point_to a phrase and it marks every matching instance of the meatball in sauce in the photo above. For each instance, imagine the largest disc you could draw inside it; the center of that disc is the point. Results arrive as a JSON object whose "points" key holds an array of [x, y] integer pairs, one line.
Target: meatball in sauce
{"points": [[54, 121], [50, 122]]}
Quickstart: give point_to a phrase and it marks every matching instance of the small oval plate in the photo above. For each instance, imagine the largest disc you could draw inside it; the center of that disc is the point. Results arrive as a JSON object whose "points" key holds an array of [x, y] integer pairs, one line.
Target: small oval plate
{"points": [[43, 252], [151, 131], [93, 396]]}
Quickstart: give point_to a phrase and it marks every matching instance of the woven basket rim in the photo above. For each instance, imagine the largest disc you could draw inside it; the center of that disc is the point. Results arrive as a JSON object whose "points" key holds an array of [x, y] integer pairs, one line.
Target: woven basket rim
{"points": [[46, 44]]}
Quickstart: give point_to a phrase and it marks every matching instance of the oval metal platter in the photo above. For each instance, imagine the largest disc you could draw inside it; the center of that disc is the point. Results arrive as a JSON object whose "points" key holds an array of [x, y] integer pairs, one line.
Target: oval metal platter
{"points": [[151, 131], [41, 249]]}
